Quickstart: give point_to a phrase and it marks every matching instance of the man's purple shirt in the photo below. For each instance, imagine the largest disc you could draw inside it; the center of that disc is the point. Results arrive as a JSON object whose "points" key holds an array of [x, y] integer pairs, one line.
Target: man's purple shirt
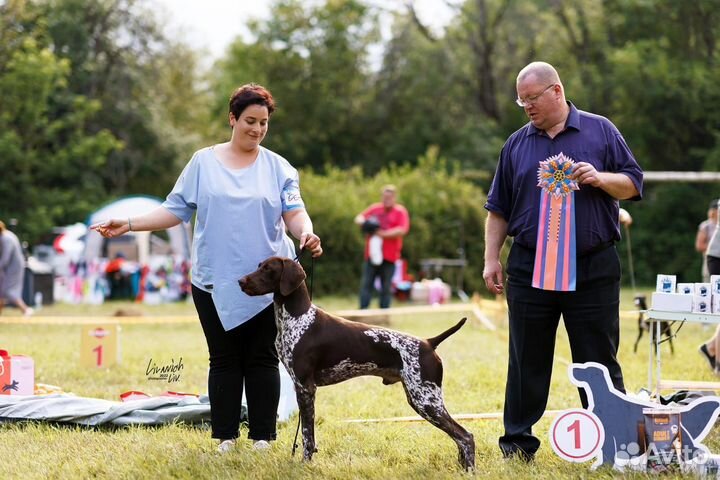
{"points": [[587, 137]]}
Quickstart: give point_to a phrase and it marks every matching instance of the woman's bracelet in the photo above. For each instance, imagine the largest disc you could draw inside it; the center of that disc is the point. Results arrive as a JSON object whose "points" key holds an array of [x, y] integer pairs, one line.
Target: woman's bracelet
{"points": [[129, 224]]}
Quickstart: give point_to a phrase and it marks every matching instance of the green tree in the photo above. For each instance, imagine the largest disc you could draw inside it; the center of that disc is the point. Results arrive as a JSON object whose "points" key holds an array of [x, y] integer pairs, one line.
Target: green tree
{"points": [[415, 107], [651, 67], [97, 103], [148, 88], [49, 162], [314, 60]]}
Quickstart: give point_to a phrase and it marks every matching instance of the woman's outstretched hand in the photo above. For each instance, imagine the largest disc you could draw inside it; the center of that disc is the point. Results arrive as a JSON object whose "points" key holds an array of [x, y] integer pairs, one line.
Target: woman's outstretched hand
{"points": [[111, 228]]}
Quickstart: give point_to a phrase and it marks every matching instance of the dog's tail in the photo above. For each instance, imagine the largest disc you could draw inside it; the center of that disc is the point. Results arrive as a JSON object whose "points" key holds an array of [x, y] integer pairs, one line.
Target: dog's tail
{"points": [[435, 341]]}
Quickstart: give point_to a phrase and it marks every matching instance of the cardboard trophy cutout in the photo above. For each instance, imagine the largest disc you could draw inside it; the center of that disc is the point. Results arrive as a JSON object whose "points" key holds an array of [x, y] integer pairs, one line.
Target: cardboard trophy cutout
{"points": [[620, 415]]}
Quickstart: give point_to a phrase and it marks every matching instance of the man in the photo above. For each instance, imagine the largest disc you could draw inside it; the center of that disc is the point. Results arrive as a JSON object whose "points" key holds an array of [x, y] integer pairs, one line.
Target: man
{"points": [[117, 278], [556, 192], [704, 234], [385, 224]]}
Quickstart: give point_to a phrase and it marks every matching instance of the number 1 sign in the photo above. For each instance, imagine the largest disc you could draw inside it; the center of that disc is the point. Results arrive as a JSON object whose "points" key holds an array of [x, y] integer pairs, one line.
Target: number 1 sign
{"points": [[99, 345], [576, 435]]}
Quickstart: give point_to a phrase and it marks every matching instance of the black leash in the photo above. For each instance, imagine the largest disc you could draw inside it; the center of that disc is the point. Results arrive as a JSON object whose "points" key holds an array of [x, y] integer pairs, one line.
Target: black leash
{"points": [[671, 334], [312, 276]]}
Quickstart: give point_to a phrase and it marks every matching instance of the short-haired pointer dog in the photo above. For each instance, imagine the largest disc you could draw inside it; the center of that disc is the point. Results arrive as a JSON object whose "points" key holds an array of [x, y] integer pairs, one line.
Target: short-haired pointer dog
{"points": [[321, 349]]}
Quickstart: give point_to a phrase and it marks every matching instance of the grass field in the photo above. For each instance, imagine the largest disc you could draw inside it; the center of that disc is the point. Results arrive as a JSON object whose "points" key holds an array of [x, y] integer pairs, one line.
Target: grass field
{"points": [[475, 367]]}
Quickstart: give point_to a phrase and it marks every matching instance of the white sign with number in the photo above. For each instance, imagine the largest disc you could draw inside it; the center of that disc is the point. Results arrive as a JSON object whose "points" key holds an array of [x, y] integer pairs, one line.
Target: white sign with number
{"points": [[577, 435]]}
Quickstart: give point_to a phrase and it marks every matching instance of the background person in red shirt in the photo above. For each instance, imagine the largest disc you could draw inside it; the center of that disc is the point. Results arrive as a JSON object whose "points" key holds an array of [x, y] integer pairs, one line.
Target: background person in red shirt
{"points": [[384, 224], [118, 279]]}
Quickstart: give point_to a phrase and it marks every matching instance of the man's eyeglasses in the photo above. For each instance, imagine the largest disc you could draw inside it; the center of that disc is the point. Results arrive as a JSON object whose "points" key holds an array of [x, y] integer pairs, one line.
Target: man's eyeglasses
{"points": [[532, 100]]}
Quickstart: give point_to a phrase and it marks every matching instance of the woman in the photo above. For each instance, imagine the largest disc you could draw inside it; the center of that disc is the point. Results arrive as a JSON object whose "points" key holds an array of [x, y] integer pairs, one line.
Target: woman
{"points": [[710, 348], [704, 233], [12, 271], [244, 196]]}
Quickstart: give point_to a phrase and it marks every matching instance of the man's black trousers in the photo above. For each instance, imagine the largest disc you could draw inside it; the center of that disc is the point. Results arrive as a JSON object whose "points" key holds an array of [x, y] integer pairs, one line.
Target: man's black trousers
{"points": [[591, 318]]}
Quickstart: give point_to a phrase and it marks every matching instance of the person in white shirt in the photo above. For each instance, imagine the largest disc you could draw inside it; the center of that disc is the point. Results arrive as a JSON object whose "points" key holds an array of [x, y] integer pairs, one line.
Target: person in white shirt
{"points": [[706, 229], [711, 347]]}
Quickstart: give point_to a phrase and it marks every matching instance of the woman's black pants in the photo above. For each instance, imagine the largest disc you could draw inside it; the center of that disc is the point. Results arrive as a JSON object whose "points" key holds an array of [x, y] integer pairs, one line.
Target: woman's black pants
{"points": [[246, 354]]}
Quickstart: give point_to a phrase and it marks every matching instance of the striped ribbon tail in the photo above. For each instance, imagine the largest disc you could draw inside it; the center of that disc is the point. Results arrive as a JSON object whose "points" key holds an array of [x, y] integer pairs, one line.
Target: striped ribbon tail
{"points": [[555, 255]]}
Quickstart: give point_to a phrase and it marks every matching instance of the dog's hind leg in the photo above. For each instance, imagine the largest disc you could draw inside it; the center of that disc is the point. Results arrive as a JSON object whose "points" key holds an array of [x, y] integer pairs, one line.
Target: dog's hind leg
{"points": [[667, 330], [305, 394], [427, 401]]}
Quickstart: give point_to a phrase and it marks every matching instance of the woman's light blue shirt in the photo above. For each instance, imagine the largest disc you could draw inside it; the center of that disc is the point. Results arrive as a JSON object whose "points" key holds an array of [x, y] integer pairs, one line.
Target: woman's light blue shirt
{"points": [[238, 224]]}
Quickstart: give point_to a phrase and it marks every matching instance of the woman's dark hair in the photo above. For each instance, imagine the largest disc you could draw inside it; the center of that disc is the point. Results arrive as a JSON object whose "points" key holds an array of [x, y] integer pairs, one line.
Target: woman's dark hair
{"points": [[250, 94]]}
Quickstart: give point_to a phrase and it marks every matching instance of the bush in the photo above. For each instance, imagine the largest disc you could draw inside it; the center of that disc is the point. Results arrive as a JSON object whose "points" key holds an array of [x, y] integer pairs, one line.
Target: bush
{"points": [[446, 215], [663, 231]]}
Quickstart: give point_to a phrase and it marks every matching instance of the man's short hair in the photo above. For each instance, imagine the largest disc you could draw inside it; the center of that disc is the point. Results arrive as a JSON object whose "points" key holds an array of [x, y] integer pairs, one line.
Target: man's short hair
{"points": [[713, 204], [389, 188], [544, 72]]}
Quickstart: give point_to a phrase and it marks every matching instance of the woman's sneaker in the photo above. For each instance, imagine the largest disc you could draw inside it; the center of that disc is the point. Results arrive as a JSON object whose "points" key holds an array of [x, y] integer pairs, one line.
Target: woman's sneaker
{"points": [[705, 353], [226, 445], [261, 445]]}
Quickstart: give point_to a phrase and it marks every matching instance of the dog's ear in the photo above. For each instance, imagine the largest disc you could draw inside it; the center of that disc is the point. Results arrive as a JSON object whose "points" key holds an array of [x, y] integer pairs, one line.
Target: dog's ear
{"points": [[291, 277]]}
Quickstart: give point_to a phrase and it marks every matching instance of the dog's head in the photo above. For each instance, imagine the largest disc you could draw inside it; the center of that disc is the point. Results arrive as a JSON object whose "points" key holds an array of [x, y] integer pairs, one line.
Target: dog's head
{"points": [[276, 274], [640, 302]]}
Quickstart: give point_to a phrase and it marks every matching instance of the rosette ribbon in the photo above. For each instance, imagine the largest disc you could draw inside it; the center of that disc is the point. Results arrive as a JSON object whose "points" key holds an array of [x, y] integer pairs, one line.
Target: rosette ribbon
{"points": [[555, 253]]}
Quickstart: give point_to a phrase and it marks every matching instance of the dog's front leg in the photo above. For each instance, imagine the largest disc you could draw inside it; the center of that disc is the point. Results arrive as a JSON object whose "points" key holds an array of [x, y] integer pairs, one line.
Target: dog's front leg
{"points": [[306, 402]]}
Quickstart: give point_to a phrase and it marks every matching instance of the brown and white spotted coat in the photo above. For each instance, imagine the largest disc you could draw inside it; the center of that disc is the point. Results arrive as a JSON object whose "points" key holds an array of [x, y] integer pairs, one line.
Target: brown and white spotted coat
{"points": [[319, 349]]}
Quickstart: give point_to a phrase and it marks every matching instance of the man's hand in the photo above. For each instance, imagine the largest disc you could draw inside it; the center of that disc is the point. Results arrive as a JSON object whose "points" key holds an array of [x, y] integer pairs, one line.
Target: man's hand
{"points": [[585, 174], [493, 276], [617, 185]]}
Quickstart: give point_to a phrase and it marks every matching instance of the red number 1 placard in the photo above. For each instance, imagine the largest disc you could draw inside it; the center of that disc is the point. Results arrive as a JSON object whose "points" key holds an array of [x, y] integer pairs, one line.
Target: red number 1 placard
{"points": [[99, 345], [577, 435]]}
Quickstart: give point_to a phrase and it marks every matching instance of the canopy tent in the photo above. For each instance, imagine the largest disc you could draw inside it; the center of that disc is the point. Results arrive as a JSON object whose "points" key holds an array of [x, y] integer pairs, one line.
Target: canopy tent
{"points": [[179, 235]]}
